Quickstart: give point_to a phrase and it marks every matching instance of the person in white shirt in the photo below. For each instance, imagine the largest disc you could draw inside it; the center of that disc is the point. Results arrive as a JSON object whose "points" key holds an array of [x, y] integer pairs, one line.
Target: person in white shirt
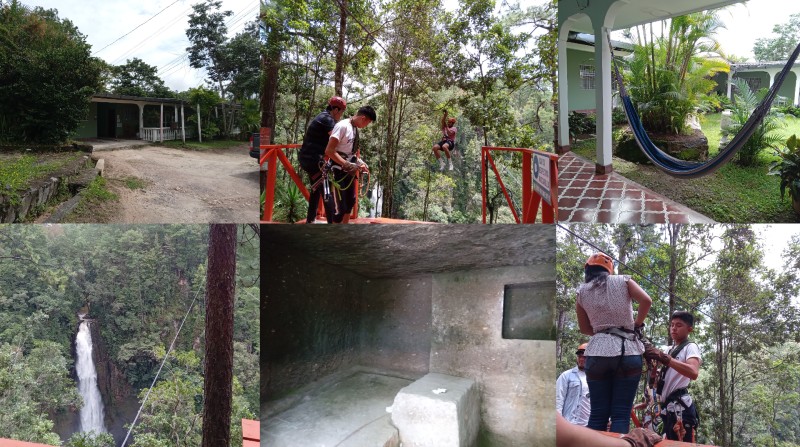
{"points": [[681, 366], [572, 392], [342, 150]]}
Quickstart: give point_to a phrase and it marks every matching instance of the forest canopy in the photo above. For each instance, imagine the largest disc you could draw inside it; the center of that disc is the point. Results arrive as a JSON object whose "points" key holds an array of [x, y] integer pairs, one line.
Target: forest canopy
{"points": [[743, 289], [489, 64], [136, 283]]}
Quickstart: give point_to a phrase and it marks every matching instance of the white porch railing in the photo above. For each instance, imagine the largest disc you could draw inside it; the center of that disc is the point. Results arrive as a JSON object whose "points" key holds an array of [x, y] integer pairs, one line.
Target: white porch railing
{"points": [[154, 134]]}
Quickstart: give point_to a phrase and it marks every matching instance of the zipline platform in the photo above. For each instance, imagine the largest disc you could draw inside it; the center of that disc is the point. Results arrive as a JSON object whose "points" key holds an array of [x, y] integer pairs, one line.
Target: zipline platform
{"points": [[372, 220], [587, 197], [664, 443], [251, 433]]}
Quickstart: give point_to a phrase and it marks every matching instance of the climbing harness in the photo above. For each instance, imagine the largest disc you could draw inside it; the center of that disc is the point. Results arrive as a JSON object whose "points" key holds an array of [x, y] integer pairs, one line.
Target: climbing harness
{"points": [[691, 169]]}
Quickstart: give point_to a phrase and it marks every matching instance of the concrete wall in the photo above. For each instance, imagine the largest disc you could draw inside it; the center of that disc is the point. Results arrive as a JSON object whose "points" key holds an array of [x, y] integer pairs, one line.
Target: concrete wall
{"points": [[396, 324], [310, 316], [516, 377]]}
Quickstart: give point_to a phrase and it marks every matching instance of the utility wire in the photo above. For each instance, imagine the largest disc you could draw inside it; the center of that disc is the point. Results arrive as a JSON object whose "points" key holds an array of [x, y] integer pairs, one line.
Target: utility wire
{"points": [[139, 26], [166, 356]]}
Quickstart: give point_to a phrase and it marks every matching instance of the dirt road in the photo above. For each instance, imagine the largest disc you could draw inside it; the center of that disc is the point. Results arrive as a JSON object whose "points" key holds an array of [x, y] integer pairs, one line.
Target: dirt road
{"points": [[183, 186]]}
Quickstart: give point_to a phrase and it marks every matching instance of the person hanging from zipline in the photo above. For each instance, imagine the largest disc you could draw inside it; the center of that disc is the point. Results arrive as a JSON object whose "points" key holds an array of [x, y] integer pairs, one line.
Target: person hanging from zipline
{"points": [[680, 367], [448, 142], [344, 165], [312, 151]]}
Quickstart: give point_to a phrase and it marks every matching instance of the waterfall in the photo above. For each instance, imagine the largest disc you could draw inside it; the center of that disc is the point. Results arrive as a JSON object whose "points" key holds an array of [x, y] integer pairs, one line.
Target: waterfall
{"points": [[92, 409]]}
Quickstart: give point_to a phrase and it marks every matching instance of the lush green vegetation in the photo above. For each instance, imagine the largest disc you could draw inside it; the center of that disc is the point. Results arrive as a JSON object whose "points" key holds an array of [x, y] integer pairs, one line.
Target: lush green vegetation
{"points": [[490, 64], [46, 73], [19, 171], [137, 282], [747, 317]]}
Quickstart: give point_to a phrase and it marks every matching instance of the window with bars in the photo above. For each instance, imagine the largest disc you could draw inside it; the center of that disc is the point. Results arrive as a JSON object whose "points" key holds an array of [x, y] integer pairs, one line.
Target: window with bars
{"points": [[753, 83], [587, 77]]}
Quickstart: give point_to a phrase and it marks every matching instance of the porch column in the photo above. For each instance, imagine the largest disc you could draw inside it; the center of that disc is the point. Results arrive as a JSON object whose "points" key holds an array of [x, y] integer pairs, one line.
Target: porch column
{"points": [[141, 121], [563, 89], [603, 92], [795, 100], [199, 130], [183, 131], [161, 122]]}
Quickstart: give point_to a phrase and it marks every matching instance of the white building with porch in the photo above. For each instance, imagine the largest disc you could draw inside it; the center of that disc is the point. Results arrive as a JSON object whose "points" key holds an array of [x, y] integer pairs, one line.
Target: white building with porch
{"points": [[133, 117], [599, 17]]}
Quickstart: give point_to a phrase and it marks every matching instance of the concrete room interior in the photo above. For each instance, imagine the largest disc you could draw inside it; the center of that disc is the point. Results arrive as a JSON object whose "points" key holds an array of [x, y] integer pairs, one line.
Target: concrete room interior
{"points": [[363, 326]]}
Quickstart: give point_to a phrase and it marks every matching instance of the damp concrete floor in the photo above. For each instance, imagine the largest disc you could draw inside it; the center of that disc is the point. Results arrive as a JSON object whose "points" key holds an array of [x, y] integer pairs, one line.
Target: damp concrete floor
{"points": [[347, 411]]}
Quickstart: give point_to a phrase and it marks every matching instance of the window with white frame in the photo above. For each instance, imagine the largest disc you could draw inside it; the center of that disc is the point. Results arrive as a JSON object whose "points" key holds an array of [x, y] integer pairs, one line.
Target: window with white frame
{"points": [[587, 77]]}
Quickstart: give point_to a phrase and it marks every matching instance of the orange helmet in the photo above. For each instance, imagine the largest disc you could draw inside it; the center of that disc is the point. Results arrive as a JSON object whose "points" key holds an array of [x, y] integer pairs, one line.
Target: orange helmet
{"points": [[602, 260], [337, 102], [581, 349]]}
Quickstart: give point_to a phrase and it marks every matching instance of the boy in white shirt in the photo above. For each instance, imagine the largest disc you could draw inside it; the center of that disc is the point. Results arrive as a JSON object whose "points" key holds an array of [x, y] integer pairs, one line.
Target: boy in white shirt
{"points": [[341, 149], [681, 366]]}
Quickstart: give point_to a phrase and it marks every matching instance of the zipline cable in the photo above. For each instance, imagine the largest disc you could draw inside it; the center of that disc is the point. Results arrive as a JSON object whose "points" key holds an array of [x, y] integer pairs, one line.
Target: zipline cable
{"points": [[166, 356], [651, 281]]}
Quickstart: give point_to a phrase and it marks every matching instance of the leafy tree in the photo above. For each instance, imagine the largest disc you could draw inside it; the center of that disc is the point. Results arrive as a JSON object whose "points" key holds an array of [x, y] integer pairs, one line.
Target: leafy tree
{"points": [[92, 439], [136, 78], [47, 75], [779, 48], [206, 33], [240, 64], [668, 77]]}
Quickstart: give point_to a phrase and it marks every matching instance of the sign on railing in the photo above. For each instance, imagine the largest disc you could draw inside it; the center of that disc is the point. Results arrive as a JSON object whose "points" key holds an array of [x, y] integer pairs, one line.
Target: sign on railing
{"points": [[539, 184]]}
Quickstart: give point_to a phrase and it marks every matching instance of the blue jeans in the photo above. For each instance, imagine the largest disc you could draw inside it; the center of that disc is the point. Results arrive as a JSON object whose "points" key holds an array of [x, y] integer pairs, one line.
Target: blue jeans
{"points": [[612, 387]]}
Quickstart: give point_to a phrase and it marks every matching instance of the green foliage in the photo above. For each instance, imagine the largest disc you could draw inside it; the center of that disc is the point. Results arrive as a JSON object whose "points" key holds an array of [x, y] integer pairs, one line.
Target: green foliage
{"points": [[290, 205], [580, 123], [91, 439], [667, 77], [788, 168], [33, 382], [97, 191], [207, 100], [136, 78], [780, 47], [765, 136], [47, 75], [16, 174]]}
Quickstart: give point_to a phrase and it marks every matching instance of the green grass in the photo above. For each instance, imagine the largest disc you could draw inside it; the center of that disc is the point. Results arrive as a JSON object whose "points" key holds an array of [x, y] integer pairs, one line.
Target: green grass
{"points": [[17, 172], [204, 146], [97, 191], [134, 183], [732, 194]]}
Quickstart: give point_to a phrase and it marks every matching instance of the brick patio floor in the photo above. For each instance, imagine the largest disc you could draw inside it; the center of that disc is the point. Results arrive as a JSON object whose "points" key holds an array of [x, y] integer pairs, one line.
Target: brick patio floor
{"points": [[584, 196]]}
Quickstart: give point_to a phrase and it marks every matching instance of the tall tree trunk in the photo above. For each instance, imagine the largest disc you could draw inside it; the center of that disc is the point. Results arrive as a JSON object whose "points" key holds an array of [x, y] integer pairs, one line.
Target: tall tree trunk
{"points": [[269, 94], [338, 75], [218, 371], [387, 168], [673, 231]]}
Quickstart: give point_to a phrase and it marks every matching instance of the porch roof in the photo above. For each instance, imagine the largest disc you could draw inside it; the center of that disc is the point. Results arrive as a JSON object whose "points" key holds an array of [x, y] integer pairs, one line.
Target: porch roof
{"points": [[589, 41], [633, 13], [108, 97]]}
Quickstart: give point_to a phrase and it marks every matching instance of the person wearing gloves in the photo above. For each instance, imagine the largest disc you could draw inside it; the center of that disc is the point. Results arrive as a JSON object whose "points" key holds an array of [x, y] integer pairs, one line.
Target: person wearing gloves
{"points": [[341, 150], [680, 366]]}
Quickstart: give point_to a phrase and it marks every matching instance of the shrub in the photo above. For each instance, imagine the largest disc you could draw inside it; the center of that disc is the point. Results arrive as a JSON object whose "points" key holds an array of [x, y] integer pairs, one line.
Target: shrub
{"points": [[765, 135], [581, 123]]}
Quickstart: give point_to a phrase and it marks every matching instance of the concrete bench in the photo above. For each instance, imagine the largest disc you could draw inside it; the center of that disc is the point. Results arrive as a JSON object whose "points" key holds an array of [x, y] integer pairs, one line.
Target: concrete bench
{"points": [[447, 419]]}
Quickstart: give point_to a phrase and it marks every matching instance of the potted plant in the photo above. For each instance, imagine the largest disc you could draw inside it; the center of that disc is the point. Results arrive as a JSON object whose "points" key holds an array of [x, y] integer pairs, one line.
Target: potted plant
{"points": [[788, 169]]}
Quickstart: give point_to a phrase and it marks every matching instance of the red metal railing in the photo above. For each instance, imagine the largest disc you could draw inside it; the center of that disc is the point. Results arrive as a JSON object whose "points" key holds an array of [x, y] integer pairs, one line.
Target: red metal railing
{"points": [[271, 154], [545, 166]]}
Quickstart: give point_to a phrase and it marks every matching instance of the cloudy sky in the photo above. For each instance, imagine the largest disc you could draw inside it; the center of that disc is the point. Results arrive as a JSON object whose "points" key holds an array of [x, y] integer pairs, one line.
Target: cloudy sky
{"points": [[752, 20], [160, 42]]}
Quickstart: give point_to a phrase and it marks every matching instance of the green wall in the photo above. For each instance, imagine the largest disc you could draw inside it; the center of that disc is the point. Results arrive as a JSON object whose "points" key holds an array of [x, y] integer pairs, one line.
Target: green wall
{"points": [[88, 127], [579, 98]]}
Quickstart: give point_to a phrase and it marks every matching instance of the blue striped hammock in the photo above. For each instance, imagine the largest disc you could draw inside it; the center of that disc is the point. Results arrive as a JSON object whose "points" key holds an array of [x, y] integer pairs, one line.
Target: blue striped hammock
{"points": [[692, 169]]}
